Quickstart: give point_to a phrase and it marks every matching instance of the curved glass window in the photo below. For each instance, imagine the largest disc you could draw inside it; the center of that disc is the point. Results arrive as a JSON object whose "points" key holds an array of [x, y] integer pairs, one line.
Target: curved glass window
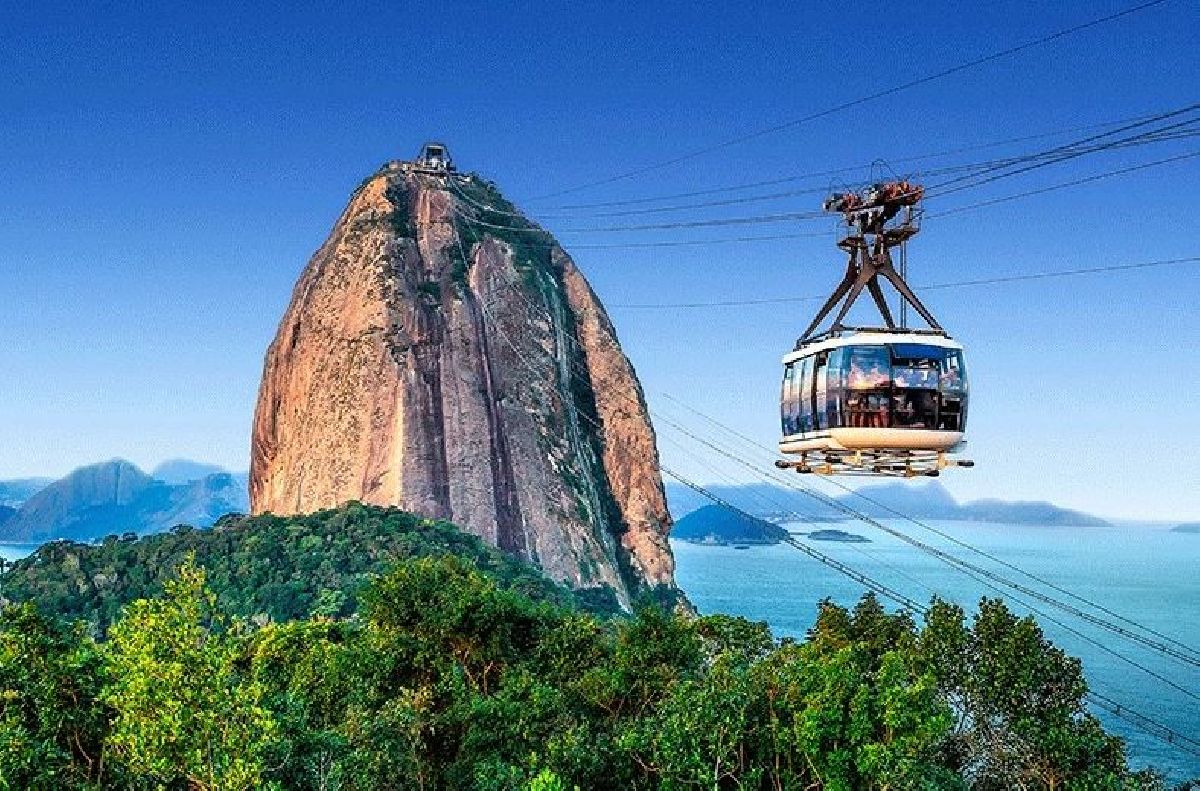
{"points": [[835, 389], [953, 384], [900, 385], [788, 407], [805, 415], [820, 390], [865, 379]]}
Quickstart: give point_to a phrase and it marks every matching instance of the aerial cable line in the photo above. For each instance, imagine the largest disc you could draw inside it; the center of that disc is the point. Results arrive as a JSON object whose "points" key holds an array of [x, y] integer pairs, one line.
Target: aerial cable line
{"points": [[842, 568], [1158, 730], [987, 281], [944, 213], [977, 573], [1066, 184], [531, 228], [1147, 724], [969, 568], [843, 170], [801, 516], [624, 245], [954, 561], [1139, 720], [763, 218], [1052, 157], [895, 89], [974, 170], [953, 539], [1073, 147], [1010, 167], [1187, 654], [1078, 148]]}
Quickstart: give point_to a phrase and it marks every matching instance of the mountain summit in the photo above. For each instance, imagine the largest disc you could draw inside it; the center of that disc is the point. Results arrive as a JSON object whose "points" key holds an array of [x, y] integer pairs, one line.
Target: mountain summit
{"points": [[443, 354]]}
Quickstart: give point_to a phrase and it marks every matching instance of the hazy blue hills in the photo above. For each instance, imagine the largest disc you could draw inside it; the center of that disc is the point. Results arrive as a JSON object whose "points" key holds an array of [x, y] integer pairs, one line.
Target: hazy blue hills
{"points": [[15, 492], [715, 524], [762, 500], [180, 471], [928, 500], [116, 497], [1187, 527]]}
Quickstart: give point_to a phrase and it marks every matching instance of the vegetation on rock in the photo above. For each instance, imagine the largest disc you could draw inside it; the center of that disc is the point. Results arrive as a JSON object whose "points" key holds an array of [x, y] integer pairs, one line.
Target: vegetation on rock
{"points": [[717, 524], [266, 568]]}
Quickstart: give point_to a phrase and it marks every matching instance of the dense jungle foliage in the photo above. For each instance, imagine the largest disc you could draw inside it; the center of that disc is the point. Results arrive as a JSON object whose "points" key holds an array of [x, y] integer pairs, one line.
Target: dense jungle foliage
{"points": [[266, 567], [457, 672]]}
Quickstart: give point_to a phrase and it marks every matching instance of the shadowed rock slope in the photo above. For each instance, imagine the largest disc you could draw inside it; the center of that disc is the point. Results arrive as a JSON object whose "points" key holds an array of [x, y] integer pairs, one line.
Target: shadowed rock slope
{"points": [[444, 355]]}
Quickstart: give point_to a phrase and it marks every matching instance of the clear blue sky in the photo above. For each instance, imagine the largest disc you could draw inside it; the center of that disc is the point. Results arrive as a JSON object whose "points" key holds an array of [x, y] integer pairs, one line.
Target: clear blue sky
{"points": [[165, 174]]}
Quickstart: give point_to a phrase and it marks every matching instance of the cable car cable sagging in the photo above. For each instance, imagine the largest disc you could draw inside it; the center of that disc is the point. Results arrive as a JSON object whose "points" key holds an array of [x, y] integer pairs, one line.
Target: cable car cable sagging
{"points": [[992, 171], [988, 281], [979, 573], [1138, 720], [1192, 655], [823, 498], [971, 169], [970, 569], [916, 82], [823, 234], [854, 168]]}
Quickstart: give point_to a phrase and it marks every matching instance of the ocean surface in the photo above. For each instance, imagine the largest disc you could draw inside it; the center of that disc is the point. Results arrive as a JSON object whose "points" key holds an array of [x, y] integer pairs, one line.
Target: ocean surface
{"points": [[1143, 572]]}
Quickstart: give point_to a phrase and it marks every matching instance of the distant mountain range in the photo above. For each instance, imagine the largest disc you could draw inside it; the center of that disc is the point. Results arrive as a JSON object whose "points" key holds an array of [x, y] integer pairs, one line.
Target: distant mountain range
{"points": [[1187, 527], [15, 492], [919, 500], [115, 497]]}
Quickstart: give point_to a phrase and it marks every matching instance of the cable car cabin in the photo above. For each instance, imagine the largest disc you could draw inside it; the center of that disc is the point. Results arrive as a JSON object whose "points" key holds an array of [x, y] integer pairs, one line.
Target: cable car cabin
{"points": [[875, 401]]}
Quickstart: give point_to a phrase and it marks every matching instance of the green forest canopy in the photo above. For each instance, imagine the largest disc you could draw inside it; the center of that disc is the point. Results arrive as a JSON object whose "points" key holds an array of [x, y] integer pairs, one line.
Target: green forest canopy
{"points": [[462, 669]]}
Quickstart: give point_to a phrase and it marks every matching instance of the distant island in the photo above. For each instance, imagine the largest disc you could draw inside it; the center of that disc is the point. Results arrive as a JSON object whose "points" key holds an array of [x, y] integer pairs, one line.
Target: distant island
{"points": [[1187, 527], [836, 535], [720, 526]]}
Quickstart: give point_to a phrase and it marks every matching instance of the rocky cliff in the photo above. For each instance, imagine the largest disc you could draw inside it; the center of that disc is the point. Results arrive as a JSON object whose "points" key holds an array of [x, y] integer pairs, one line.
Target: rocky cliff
{"points": [[443, 354]]}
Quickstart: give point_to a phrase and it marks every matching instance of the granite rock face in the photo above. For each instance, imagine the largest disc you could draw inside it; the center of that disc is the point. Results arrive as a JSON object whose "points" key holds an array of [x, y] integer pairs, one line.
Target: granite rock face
{"points": [[443, 354]]}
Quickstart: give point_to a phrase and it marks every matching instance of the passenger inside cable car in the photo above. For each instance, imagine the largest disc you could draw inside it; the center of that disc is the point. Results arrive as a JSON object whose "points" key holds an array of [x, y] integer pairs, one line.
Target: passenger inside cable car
{"points": [[898, 385]]}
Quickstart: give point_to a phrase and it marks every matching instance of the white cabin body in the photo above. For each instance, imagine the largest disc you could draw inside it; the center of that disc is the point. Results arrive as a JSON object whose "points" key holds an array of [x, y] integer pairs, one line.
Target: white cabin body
{"points": [[874, 390]]}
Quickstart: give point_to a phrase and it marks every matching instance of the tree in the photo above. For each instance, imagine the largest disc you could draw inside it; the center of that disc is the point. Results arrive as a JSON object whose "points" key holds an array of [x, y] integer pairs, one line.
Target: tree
{"points": [[52, 724], [1020, 718], [184, 712]]}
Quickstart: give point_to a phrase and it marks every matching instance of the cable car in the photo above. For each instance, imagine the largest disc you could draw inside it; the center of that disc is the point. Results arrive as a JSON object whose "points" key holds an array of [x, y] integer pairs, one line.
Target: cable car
{"points": [[887, 400], [434, 158]]}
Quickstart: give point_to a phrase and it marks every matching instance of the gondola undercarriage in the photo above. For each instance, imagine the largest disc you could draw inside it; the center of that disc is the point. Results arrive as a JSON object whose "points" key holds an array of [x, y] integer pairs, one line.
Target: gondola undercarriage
{"points": [[878, 462]]}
